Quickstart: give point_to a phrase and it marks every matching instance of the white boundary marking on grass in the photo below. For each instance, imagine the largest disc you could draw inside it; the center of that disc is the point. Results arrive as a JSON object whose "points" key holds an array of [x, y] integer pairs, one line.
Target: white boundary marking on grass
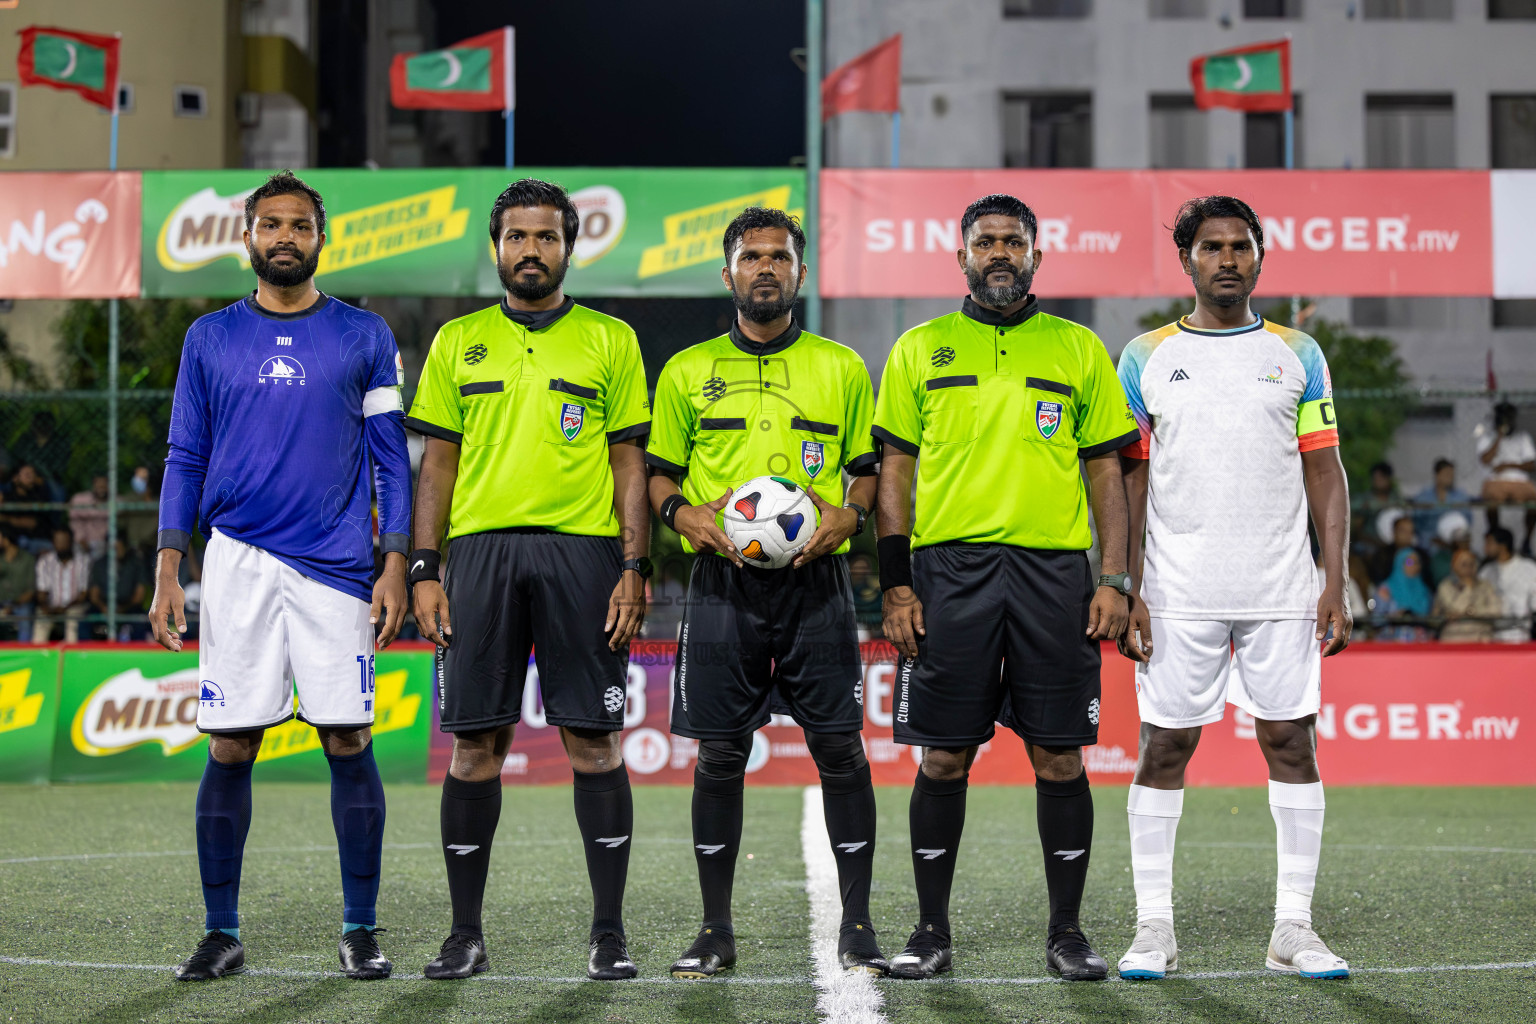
{"points": [[842, 997]]}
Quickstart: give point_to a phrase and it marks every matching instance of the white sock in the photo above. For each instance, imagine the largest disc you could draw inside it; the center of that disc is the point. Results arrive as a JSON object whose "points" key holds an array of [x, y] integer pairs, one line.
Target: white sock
{"points": [[1154, 815], [1298, 814]]}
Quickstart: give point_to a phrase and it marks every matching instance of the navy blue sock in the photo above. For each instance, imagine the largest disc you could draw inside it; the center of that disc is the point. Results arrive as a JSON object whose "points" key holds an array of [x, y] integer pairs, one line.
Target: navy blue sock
{"points": [[223, 820], [357, 812]]}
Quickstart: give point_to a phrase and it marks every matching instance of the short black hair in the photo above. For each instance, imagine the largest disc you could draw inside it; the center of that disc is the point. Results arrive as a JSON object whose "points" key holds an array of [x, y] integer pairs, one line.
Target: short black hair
{"points": [[1506, 411], [756, 217], [1501, 536], [1197, 211], [531, 192], [1382, 467], [1443, 463], [285, 183], [999, 202]]}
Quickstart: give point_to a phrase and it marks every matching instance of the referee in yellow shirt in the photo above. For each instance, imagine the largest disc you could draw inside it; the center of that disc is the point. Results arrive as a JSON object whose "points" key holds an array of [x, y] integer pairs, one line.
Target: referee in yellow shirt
{"points": [[997, 410], [535, 414]]}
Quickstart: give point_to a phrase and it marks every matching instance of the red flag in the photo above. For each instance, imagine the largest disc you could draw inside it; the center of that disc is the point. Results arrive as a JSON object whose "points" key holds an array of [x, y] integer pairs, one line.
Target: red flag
{"points": [[1256, 77], [78, 62], [871, 81], [474, 74]]}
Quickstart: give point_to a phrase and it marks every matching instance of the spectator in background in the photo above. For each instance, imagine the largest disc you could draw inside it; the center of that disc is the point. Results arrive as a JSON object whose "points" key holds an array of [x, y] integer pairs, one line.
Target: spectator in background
{"points": [[866, 594], [132, 587], [1453, 533], [1384, 490], [18, 587], [34, 529], [63, 576], [1403, 596], [1433, 498], [1510, 457], [1514, 577], [1468, 604], [143, 525], [46, 449], [1403, 539], [88, 517]]}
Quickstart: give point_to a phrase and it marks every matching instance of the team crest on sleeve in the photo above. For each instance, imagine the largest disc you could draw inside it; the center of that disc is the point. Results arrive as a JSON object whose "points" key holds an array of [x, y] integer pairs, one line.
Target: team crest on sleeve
{"points": [[812, 457], [572, 416], [1048, 418]]}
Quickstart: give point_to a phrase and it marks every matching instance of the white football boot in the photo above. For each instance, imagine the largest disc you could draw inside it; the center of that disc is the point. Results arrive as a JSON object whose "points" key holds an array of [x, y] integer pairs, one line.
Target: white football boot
{"points": [[1295, 949], [1154, 953]]}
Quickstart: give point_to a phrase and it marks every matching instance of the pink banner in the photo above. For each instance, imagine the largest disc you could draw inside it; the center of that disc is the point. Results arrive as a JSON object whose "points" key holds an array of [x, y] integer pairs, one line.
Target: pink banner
{"points": [[69, 236], [1392, 715], [894, 233]]}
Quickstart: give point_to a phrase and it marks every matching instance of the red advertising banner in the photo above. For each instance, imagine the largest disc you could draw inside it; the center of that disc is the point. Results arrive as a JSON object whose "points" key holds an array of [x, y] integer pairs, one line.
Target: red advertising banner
{"points": [[893, 233], [69, 236], [1392, 715]]}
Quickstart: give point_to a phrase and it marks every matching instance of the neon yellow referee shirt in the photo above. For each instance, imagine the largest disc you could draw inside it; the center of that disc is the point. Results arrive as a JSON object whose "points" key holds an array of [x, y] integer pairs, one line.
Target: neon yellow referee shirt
{"points": [[998, 411]]}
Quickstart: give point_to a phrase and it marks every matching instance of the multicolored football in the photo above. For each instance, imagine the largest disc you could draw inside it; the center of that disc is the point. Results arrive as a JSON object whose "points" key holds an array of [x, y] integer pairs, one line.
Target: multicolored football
{"points": [[769, 519]]}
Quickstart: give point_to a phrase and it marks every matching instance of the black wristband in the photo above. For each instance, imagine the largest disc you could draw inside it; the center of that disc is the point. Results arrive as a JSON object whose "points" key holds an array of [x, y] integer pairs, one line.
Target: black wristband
{"points": [[895, 554], [422, 565], [669, 509]]}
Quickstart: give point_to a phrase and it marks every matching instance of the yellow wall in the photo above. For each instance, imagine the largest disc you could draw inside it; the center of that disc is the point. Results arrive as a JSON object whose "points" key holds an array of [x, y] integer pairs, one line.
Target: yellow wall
{"points": [[166, 43]]}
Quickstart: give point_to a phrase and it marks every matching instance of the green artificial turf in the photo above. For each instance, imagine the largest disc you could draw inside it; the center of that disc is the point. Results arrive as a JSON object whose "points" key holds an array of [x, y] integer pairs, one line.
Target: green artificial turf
{"points": [[1410, 878]]}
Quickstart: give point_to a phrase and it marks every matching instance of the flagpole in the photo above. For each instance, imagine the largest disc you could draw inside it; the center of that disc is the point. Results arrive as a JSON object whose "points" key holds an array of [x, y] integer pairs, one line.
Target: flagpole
{"points": [[813, 26], [509, 97], [112, 412], [896, 138]]}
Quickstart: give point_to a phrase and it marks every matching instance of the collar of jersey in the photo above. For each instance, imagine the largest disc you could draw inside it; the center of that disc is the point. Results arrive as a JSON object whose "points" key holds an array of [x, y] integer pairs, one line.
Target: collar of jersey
{"points": [[1184, 326], [311, 310], [992, 318], [765, 348], [539, 320]]}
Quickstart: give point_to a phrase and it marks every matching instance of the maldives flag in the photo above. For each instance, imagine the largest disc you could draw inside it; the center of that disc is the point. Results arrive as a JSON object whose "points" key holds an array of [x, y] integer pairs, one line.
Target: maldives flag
{"points": [[1256, 77], [75, 61], [475, 74], [871, 81]]}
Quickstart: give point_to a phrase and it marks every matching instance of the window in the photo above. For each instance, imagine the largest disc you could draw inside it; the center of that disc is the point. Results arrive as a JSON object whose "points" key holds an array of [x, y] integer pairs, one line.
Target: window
{"points": [[1177, 8], [1045, 8], [191, 101], [7, 119], [1422, 311], [1177, 132], [1264, 137], [1271, 8], [1513, 131], [1047, 130], [1511, 9], [1514, 312], [1410, 130], [124, 99], [1438, 10]]}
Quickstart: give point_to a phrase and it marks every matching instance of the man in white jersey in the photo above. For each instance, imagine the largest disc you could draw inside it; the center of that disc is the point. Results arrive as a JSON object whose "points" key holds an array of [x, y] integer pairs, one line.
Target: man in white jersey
{"points": [[1238, 439]]}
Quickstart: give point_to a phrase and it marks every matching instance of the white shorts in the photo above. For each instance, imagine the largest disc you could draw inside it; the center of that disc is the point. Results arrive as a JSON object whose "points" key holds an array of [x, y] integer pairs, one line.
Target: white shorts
{"points": [[265, 629], [1271, 669]]}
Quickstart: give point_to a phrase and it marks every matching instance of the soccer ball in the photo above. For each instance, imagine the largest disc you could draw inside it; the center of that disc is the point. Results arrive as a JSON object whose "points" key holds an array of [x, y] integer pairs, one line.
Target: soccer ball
{"points": [[769, 519]]}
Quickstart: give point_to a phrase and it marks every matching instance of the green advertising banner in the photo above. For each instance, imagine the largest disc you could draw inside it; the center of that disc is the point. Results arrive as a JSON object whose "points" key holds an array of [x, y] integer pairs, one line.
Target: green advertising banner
{"points": [[29, 704], [644, 231], [127, 716]]}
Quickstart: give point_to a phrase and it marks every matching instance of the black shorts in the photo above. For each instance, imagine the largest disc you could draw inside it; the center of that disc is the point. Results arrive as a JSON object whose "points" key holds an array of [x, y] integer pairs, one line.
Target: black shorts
{"points": [[1006, 642], [512, 591], [758, 641]]}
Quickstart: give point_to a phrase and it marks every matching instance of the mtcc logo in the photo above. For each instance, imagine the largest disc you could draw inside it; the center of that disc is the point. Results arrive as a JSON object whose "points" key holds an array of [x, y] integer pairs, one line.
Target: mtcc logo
{"points": [[474, 354], [942, 356], [714, 389]]}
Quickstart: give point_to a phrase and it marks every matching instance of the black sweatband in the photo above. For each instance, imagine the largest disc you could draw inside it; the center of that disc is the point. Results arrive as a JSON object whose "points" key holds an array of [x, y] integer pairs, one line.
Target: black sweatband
{"points": [[895, 554], [669, 509], [422, 565]]}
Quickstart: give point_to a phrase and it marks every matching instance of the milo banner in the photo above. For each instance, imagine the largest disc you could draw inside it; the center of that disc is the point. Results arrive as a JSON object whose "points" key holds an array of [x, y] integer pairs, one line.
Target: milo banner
{"points": [[650, 231], [29, 704], [131, 715]]}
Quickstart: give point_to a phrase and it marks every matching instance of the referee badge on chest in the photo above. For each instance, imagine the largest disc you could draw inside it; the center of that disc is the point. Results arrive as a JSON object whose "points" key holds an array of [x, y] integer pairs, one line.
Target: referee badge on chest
{"points": [[1047, 418], [572, 416], [812, 457]]}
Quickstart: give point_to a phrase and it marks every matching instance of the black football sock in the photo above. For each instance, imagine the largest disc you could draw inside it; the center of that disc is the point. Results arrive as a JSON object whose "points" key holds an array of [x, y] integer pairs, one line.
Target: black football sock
{"points": [[470, 812], [849, 806], [1064, 815], [937, 818], [716, 839], [605, 813]]}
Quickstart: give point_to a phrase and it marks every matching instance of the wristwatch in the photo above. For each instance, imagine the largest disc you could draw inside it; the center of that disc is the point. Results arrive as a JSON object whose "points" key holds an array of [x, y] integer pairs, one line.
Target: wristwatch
{"points": [[862, 513], [1120, 581], [641, 565]]}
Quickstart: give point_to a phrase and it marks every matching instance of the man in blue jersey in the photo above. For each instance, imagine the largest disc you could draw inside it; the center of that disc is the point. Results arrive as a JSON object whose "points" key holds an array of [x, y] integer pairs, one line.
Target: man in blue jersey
{"points": [[282, 402]]}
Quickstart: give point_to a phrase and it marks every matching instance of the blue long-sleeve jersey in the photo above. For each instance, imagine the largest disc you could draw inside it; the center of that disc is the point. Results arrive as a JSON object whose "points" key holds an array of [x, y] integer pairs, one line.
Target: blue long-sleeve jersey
{"points": [[274, 424]]}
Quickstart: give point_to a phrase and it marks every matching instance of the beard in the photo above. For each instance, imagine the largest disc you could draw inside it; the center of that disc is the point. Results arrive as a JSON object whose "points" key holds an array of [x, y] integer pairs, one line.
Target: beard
{"points": [[1001, 296], [538, 288], [766, 311], [284, 276], [1226, 300]]}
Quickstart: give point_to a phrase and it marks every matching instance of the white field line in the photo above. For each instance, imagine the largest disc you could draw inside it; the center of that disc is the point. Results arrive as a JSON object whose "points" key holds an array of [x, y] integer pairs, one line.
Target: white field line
{"points": [[278, 972], [842, 997]]}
